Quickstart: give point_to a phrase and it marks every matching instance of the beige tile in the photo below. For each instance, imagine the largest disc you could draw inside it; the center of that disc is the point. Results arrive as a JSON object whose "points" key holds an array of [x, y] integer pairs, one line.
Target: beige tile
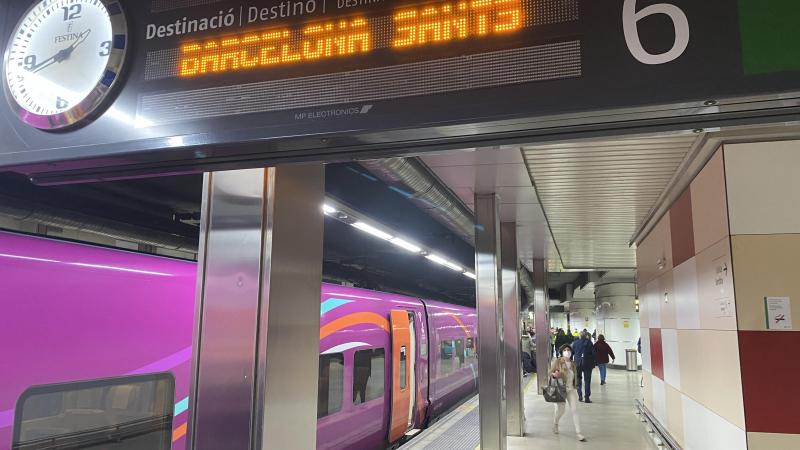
{"points": [[710, 371], [765, 266], [762, 184], [770, 441], [654, 254], [647, 390], [644, 315], [709, 205], [715, 288], [675, 414], [666, 299], [650, 303]]}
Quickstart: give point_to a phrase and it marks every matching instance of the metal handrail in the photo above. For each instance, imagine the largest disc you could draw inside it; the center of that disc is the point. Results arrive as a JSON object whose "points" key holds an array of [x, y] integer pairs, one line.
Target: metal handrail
{"points": [[666, 439]]}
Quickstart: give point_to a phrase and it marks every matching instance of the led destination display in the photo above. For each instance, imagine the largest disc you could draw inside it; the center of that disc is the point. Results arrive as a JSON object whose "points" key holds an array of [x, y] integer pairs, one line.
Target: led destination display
{"points": [[431, 24]]}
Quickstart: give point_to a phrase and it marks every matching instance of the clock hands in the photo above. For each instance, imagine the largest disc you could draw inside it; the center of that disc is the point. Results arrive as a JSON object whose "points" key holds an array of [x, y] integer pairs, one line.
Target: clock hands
{"points": [[62, 55]]}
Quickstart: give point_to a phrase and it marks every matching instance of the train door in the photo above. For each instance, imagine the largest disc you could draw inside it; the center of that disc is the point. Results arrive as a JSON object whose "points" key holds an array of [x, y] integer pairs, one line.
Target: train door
{"points": [[412, 370], [403, 379]]}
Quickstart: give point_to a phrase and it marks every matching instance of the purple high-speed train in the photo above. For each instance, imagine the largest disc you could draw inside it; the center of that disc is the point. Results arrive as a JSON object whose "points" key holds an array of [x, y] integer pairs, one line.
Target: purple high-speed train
{"points": [[95, 352]]}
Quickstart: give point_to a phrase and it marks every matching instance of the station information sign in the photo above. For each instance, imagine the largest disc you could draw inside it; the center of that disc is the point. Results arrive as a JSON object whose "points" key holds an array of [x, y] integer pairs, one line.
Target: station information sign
{"points": [[226, 83]]}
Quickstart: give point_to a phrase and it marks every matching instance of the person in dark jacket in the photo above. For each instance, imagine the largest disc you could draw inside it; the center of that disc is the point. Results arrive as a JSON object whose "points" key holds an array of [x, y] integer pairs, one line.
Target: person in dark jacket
{"points": [[602, 352], [585, 362], [561, 339]]}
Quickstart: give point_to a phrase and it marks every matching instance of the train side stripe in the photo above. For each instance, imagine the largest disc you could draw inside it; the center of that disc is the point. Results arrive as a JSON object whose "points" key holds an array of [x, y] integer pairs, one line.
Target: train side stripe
{"points": [[181, 406], [354, 319], [179, 432], [461, 324], [331, 304], [345, 347]]}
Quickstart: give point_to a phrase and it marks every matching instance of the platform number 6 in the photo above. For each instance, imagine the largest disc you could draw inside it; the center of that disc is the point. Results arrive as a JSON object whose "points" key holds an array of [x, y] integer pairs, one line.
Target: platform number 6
{"points": [[630, 22]]}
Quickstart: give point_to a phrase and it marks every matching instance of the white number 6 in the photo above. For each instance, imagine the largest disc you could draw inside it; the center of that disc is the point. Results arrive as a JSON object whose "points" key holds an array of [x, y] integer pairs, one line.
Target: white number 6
{"points": [[630, 21]]}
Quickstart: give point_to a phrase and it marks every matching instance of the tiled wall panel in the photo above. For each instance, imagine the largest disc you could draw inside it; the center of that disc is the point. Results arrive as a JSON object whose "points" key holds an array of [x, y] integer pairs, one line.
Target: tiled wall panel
{"points": [[710, 372], [659, 400], [682, 228], [646, 350], [709, 204], [770, 368], [652, 298], [715, 287], [647, 389], [687, 306], [770, 441], [675, 413], [654, 254], [644, 311], [705, 430], [656, 353], [766, 266], [762, 183], [666, 298], [672, 370]]}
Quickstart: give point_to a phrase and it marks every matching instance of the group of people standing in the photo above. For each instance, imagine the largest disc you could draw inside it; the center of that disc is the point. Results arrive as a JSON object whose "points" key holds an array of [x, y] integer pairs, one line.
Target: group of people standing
{"points": [[573, 365]]}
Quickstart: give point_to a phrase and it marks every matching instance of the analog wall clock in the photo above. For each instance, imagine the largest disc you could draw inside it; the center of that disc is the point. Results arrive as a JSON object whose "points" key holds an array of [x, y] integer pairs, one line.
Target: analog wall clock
{"points": [[63, 59]]}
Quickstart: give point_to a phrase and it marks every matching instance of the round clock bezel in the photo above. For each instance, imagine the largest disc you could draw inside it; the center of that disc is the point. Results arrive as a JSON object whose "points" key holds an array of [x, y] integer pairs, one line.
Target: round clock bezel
{"points": [[78, 114]]}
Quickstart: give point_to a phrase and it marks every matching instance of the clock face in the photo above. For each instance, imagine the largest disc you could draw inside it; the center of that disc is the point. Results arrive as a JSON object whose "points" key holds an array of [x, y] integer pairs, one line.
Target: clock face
{"points": [[62, 60]]}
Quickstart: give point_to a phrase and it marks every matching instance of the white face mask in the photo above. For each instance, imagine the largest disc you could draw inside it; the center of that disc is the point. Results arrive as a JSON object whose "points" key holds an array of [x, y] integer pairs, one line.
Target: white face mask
{"points": [[567, 354]]}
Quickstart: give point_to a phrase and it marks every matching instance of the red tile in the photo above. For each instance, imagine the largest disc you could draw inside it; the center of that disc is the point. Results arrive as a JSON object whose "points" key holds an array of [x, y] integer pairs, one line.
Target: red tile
{"points": [[682, 228], [656, 353], [770, 365]]}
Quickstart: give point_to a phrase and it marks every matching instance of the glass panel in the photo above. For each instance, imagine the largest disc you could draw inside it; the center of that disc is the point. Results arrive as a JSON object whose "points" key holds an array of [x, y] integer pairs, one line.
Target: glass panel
{"points": [[120, 413], [403, 365], [331, 384], [368, 375], [460, 352]]}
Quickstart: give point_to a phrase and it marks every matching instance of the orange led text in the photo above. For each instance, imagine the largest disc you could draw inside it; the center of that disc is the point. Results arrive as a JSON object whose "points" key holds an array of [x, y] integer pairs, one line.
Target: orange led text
{"points": [[276, 47], [446, 22]]}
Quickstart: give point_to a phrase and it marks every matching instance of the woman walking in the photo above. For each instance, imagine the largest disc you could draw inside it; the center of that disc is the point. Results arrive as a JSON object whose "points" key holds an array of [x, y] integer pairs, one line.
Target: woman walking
{"points": [[603, 351], [564, 369]]}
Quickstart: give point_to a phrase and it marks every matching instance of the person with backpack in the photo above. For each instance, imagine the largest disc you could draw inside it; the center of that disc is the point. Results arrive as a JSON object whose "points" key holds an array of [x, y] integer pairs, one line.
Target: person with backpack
{"points": [[585, 360]]}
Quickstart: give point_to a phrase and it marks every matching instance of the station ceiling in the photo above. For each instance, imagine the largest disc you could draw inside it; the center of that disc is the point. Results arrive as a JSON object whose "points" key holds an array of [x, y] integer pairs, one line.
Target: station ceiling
{"points": [[576, 204]]}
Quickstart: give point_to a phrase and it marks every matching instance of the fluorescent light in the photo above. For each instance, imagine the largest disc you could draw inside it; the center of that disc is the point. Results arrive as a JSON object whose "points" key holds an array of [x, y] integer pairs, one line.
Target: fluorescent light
{"points": [[373, 231], [437, 259], [453, 266], [328, 209], [406, 245], [470, 275]]}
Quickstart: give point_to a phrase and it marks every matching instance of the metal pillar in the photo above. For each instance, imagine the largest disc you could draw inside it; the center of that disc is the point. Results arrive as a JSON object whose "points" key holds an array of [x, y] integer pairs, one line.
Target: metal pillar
{"points": [[256, 343], [541, 304], [491, 376], [515, 411]]}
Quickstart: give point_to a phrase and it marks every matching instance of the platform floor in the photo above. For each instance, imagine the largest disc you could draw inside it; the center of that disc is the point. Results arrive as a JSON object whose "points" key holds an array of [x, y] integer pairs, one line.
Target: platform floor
{"points": [[608, 423]]}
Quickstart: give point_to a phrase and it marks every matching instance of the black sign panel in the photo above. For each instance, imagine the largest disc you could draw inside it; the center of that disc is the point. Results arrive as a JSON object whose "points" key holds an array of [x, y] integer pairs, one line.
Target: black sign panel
{"points": [[215, 83]]}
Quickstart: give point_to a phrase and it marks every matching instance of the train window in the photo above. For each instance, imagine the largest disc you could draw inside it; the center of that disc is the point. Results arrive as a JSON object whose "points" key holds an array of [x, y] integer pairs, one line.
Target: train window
{"points": [[403, 367], [331, 384], [460, 352], [116, 413], [447, 360], [368, 375]]}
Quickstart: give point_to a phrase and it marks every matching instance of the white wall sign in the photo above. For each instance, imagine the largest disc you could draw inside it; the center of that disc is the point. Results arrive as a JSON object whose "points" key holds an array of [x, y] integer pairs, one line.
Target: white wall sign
{"points": [[778, 313]]}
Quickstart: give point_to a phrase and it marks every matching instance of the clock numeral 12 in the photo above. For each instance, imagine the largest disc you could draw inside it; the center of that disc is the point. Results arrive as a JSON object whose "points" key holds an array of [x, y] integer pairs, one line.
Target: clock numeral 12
{"points": [[61, 103], [105, 48], [72, 12]]}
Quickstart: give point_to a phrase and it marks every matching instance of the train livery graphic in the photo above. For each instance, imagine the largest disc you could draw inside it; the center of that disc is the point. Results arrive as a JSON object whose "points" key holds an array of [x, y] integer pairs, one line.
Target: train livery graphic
{"points": [[98, 353]]}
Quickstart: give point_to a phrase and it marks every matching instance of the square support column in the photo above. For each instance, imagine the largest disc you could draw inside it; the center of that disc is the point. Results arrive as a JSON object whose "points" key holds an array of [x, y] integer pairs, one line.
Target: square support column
{"points": [[541, 304], [515, 406], [491, 360], [256, 343]]}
